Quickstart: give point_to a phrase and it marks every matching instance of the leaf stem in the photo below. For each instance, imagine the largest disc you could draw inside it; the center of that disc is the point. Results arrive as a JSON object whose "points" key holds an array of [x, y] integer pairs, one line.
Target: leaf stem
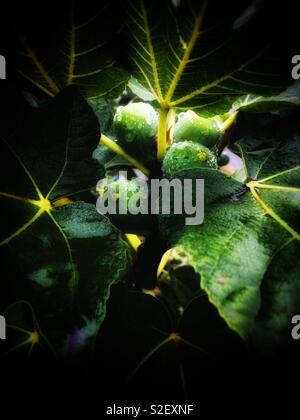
{"points": [[162, 133], [133, 240], [228, 123], [112, 145], [163, 262]]}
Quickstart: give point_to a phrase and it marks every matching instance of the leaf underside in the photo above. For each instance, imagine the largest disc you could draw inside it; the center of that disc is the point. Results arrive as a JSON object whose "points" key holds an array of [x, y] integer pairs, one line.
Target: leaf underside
{"points": [[193, 56], [79, 52]]}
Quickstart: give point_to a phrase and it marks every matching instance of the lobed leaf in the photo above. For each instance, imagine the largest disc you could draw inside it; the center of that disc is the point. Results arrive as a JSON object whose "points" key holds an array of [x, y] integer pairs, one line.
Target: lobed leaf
{"points": [[247, 250], [72, 44], [59, 255], [196, 56]]}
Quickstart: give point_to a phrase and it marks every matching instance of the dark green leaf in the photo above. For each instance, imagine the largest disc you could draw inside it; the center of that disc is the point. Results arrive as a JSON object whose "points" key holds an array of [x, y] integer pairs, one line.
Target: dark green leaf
{"points": [[59, 256], [194, 54], [56, 142], [71, 43], [264, 157], [104, 113], [247, 250]]}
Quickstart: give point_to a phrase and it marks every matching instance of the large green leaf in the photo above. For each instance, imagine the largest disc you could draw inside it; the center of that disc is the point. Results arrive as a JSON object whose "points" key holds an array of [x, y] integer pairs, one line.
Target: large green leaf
{"points": [[247, 251], [197, 54], [71, 43], [58, 255]]}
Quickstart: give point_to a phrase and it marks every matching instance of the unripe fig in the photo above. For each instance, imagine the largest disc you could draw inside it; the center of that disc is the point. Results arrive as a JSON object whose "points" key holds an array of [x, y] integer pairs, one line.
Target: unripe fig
{"points": [[135, 126], [187, 155], [127, 197], [192, 127]]}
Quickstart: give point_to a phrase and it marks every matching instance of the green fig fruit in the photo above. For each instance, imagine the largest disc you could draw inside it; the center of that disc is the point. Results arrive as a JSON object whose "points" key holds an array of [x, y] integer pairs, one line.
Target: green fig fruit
{"points": [[135, 126], [187, 155], [127, 196], [192, 127]]}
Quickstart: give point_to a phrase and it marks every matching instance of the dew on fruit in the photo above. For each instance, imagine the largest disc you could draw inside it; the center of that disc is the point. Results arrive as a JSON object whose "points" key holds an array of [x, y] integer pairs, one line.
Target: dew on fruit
{"points": [[202, 156]]}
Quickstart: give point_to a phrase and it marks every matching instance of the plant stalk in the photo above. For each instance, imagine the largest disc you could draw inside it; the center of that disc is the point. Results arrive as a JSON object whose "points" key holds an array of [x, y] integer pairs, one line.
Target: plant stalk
{"points": [[229, 122], [162, 143], [113, 146]]}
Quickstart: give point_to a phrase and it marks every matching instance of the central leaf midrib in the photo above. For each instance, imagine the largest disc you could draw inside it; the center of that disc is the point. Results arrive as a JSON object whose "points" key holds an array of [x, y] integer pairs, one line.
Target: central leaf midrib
{"points": [[185, 59], [151, 52]]}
